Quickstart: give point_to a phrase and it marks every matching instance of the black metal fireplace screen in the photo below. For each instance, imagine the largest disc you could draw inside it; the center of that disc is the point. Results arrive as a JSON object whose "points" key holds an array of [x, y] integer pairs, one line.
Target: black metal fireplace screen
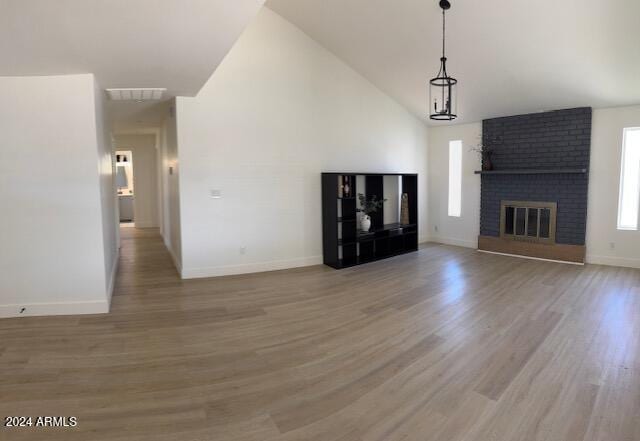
{"points": [[528, 221]]}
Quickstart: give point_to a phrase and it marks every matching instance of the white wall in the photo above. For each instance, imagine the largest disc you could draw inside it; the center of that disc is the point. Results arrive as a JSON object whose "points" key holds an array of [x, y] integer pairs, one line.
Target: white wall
{"points": [[108, 196], [463, 230], [605, 243], [53, 258], [145, 177], [277, 112], [391, 186], [170, 188]]}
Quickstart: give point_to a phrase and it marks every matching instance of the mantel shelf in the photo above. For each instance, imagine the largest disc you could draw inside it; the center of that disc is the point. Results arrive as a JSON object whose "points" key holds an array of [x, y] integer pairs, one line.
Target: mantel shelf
{"points": [[532, 171]]}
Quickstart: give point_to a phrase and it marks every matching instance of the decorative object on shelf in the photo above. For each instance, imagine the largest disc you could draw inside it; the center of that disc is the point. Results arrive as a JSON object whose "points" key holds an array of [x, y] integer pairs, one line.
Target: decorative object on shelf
{"points": [[442, 88], [404, 209], [365, 223], [487, 165], [368, 206], [347, 187], [485, 149], [122, 159], [340, 187]]}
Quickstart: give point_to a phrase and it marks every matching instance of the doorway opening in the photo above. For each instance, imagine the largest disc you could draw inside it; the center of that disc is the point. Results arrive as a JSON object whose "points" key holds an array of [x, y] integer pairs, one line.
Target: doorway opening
{"points": [[124, 185], [137, 183]]}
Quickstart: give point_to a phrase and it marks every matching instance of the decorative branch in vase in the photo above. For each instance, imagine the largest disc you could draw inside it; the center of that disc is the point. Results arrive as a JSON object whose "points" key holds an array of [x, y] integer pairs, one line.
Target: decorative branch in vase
{"points": [[485, 148], [368, 206]]}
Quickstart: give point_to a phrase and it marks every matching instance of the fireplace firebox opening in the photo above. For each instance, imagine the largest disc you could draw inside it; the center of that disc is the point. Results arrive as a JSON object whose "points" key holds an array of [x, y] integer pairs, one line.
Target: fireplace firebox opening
{"points": [[528, 221]]}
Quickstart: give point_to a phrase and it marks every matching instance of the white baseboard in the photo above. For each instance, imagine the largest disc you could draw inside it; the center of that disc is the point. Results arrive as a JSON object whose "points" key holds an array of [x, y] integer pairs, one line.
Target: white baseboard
{"points": [[613, 261], [112, 277], [228, 270], [454, 241], [176, 262], [521, 256], [67, 308]]}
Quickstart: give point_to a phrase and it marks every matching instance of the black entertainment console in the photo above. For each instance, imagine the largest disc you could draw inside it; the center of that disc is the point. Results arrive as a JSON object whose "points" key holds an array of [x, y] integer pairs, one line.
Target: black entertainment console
{"points": [[344, 243]]}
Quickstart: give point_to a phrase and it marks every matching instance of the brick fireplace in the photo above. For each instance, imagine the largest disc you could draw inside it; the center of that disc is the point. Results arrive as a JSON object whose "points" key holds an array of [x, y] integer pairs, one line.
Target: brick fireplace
{"points": [[538, 159]]}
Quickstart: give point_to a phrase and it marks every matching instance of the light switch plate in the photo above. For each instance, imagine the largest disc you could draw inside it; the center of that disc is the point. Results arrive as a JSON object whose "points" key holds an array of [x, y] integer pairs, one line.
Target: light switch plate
{"points": [[216, 194]]}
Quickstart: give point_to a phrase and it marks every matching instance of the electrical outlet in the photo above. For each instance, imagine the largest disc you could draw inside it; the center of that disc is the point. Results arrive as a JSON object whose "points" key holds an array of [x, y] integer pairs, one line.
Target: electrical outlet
{"points": [[216, 194], [612, 245], [243, 250], [435, 228]]}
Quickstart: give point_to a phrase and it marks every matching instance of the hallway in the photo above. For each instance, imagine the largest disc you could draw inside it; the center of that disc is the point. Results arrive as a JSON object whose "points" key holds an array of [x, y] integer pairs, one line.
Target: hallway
{"points": [[444, 344], [145, 264]]}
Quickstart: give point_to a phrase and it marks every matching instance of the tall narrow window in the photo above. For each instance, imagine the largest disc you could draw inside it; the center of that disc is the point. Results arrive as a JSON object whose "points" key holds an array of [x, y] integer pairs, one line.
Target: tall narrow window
{"points": [[629, 198], [455, 178]]}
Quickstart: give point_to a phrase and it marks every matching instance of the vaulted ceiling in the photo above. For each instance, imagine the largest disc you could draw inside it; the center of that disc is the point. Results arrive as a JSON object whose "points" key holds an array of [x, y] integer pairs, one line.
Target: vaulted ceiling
{"points": [[510, 57], [175, 44], [139, 43]]}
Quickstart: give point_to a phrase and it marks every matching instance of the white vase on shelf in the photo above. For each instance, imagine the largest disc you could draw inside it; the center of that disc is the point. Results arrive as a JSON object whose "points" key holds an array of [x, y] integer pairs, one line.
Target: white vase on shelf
{"points": [[365, 223]]}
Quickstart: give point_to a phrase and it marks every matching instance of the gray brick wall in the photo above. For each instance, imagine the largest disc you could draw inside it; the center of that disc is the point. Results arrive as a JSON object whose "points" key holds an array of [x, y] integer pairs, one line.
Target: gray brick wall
{"points": [[549, 140]]}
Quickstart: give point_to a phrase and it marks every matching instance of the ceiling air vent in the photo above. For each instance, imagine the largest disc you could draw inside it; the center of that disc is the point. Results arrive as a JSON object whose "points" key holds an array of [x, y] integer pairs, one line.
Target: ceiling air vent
{"points": [[136, 94]]}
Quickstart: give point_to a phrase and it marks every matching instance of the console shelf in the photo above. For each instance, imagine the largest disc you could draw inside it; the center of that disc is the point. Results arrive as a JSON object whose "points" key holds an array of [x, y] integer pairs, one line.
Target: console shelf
{"points": [[344, 244]]}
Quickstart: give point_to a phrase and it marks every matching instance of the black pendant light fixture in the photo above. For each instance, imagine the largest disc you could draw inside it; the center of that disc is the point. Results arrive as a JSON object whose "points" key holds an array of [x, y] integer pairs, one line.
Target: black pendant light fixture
{"points": [[442, 88]]}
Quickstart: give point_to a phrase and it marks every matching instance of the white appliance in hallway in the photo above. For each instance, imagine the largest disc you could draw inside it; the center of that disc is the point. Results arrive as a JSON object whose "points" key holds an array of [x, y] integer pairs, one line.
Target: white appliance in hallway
{"points": [[126, 207]]}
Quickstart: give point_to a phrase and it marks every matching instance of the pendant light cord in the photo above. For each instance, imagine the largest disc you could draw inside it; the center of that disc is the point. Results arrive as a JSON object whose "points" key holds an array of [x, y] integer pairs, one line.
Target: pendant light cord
{"points": [[443, 33]]}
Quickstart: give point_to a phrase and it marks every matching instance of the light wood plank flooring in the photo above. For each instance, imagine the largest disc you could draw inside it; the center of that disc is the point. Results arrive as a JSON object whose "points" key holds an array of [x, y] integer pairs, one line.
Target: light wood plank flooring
{"points": [[444, 344]]}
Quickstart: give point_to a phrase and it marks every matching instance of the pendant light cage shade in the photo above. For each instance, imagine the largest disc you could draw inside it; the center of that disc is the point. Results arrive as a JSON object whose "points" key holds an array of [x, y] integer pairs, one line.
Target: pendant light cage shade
{"points": [[443, 96]]}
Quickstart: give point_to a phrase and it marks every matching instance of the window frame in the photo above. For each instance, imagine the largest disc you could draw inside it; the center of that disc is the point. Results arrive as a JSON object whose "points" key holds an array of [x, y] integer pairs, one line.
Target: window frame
{"points": [[454, 211], [623, 158]]}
